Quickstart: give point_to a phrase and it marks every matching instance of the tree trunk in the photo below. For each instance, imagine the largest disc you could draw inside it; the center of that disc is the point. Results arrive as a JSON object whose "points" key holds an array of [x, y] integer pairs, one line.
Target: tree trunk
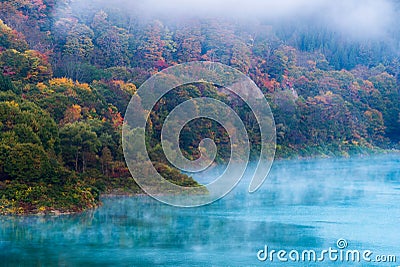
{"points": [[76, 160]]}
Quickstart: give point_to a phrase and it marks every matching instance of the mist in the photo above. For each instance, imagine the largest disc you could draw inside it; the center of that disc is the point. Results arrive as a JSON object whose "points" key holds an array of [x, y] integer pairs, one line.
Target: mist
{"points": [[366, 18], [303, 205]]}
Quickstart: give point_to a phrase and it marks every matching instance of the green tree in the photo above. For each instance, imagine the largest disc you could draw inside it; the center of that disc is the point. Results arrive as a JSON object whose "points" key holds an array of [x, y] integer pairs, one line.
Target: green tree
{"points": [[77, 142], [79, 44], [112, 43], [6, 84], [26, 163], [29, 66]]}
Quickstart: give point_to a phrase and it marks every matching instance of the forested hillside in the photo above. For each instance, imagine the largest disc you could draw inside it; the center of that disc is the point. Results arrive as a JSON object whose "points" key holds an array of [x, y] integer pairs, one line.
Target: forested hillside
{"points": [[67, 73]]}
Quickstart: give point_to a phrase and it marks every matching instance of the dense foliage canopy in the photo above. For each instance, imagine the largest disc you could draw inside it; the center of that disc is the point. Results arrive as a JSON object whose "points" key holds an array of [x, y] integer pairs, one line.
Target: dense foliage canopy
{"points": [[67, 75]]}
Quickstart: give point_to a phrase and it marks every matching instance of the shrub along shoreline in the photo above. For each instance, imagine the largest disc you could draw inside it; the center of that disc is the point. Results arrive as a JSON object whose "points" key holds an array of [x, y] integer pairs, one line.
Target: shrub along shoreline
{"points": [[42, 199]]}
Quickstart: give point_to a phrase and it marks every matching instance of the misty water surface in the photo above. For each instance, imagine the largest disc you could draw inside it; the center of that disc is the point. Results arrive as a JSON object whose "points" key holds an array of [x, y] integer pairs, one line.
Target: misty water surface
{"points": [[303, 205]]}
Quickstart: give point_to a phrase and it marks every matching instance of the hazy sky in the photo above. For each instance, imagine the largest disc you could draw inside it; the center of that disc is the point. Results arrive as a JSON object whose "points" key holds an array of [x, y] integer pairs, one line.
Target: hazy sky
{"points": [[358, 17]]}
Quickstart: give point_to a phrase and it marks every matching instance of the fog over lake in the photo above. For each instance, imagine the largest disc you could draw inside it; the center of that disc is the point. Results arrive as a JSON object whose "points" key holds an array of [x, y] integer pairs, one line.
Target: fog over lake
{"points": [[303, 205]]}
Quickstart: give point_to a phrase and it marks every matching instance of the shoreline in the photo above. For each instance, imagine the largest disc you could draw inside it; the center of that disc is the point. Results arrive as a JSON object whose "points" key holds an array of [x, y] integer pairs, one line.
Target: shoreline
{"points": [[55, 212], [371, 153]]}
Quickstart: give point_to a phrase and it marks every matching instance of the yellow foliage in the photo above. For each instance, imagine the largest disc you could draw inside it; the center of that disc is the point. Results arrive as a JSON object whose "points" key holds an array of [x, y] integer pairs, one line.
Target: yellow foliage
{"points": [[42, 87], [7, 206], [42, 209], [325, 99], [12, 103], [70, 85], [20, 210], [61, 82], [83, 86], [128, 87]]}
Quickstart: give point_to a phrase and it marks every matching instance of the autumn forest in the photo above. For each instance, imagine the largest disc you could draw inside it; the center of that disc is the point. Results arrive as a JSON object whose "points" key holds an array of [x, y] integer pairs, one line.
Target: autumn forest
{"points": [[68, 72]]}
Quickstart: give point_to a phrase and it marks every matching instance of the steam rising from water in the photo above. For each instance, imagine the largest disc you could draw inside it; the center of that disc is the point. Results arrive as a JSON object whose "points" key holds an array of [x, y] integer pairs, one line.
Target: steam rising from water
{"points": [[306, 205]]}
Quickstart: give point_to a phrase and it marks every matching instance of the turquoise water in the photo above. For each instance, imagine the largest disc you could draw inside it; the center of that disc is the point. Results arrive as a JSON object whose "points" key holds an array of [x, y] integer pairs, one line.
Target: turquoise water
{"points": [[303, 205]]}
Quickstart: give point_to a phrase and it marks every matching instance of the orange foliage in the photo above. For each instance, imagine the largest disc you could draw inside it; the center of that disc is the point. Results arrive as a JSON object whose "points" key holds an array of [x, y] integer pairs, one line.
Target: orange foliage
{"points": [[72, 114], [42, 87], [116, 117]]}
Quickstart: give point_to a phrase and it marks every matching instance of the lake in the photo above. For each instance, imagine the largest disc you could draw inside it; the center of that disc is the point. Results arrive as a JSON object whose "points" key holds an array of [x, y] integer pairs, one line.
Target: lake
{"points": [[303, 205]]}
